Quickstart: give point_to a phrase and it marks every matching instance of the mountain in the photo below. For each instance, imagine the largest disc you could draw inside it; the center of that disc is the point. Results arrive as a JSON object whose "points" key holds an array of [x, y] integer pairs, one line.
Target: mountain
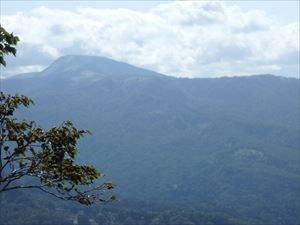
{"points": [[92, 67], [231, 142]]}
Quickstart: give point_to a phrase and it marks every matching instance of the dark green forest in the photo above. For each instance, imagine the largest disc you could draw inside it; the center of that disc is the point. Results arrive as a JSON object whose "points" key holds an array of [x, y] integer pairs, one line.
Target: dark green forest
{"points": [[36, 209]]}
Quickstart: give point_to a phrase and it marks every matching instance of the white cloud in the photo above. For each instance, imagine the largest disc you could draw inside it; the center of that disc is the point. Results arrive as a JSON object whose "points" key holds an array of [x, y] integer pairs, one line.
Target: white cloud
{"points": [[190, 38], [51, 51], [21, 70]]}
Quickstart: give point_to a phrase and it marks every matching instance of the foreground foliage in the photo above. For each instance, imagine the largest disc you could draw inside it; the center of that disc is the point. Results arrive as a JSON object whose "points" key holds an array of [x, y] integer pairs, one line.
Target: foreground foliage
{"points": [[28, 151], [8, 41], [31, 157]]}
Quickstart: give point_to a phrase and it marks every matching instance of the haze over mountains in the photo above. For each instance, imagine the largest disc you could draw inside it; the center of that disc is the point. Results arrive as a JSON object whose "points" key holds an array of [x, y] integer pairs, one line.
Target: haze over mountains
{"points": [[232, 142]]}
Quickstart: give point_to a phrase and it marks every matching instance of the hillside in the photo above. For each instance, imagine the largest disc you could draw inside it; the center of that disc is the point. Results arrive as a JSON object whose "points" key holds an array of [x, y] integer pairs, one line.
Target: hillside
{"points": [[231, 142]]}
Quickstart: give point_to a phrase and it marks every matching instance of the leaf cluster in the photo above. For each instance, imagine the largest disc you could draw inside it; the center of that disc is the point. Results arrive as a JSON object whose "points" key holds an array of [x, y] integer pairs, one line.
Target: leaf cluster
{"points": [[8, 41], [27, 150]]}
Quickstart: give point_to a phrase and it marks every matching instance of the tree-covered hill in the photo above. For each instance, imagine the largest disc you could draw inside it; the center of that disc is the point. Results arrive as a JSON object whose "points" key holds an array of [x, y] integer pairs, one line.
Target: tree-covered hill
{"points": [[230, 142]]}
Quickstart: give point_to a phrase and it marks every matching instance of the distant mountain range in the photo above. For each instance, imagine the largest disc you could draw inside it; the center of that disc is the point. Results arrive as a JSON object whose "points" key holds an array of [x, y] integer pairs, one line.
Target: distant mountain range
{"points": [[232, 142]]}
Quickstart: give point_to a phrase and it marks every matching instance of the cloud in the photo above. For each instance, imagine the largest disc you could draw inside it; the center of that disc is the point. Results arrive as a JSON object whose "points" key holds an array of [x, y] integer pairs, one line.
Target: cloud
{"points": [[185, 38], [21, 70], [51, 51]]}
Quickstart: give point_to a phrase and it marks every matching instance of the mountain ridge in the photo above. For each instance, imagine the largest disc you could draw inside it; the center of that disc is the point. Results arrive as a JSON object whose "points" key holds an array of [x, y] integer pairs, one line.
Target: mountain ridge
{"points": [[87, 60], [232, 142]]}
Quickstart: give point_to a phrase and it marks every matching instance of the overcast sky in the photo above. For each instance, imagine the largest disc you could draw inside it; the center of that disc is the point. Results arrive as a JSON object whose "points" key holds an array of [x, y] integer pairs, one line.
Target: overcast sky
{"points": [[184, 39]]}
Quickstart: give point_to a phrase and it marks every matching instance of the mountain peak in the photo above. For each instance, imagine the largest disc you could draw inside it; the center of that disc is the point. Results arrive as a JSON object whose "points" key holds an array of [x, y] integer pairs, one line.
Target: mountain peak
{"points": [[72, 65]]}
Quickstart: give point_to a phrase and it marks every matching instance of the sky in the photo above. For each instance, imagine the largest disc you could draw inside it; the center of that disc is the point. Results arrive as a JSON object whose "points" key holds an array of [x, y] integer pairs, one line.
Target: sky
{"points": [[177, 38]]}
